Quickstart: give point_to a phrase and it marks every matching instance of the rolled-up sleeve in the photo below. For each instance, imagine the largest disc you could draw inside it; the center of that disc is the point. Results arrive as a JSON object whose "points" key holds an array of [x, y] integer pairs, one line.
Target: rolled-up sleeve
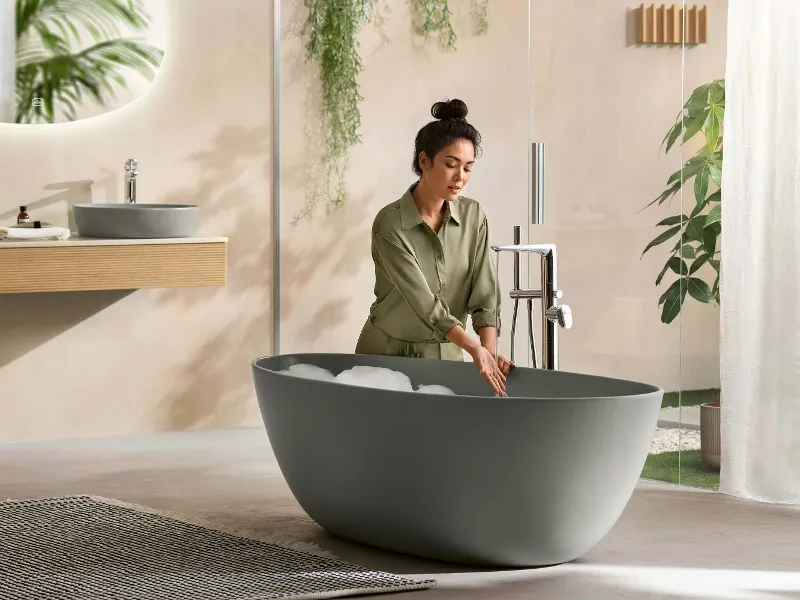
{"points": [[402, 269], [484, 300]]}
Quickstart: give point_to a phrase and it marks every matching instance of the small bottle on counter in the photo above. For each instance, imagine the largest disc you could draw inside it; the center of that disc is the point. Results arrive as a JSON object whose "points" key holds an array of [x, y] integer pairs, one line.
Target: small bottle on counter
{"points": [[23, 216]]}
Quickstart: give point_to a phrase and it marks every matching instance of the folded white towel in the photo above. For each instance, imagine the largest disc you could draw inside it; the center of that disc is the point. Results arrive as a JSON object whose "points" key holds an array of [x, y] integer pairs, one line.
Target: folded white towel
{"points": [[29, 233]]}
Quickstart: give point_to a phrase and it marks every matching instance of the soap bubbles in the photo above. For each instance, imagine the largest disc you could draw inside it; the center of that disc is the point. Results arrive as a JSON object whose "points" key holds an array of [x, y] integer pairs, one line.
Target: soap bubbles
{"points": [[310, 372], [371, 377]]}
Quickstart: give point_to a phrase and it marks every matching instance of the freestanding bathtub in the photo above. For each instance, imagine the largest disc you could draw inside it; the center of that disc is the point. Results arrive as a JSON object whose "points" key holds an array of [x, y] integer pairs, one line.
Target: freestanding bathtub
{"points": [[537, 478]]}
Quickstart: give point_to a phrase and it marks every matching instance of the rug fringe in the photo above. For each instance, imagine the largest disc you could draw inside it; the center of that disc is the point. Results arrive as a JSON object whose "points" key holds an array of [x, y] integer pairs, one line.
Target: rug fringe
{"points": [[269, 538]]}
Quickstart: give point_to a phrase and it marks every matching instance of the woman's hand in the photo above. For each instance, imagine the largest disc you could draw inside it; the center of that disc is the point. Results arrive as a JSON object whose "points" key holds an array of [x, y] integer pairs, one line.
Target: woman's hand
{"points": [[504, 365], [490, 369]]}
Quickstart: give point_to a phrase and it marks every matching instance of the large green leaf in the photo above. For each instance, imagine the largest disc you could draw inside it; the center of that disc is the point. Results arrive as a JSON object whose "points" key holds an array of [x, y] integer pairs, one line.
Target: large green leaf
{"points": [[695, 125], [694, 230], [699, 262], [712, 130], [701, 184], [710, 234], [689, 169], [714, 216], [677, 266], [672, 300], [673, 134], [673, 220], [699, 290], [662, 238], [685, 250]]}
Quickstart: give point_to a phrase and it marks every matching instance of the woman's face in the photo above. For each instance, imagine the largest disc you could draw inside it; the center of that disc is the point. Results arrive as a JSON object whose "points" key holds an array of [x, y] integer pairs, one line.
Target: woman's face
{"points": [[448, 174]]}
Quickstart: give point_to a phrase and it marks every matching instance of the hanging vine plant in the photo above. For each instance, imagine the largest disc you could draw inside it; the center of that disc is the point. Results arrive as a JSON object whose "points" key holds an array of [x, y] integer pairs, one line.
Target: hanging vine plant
{"points": [[331, 31]]}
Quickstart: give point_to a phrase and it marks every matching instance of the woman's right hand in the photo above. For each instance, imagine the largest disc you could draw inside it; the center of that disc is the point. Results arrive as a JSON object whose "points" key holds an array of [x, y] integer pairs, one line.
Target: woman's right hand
{"points": [[487, 366]]}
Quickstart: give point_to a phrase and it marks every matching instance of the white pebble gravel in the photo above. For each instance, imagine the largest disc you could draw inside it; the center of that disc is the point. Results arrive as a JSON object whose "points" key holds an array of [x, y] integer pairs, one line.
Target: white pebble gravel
{"points": [[666, 440]]}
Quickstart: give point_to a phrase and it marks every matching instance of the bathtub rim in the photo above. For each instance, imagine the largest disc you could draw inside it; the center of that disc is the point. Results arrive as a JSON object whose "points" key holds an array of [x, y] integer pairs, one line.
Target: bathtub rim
{"points": [[652, 389]]}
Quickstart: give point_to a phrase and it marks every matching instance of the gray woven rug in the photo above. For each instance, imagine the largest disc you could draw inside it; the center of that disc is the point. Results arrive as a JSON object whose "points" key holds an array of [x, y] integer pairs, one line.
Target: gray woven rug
{"points": [[90, 548]]}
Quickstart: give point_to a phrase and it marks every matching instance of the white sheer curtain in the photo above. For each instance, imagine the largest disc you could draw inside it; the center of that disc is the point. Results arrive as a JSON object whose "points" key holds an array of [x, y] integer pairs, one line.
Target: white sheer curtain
{"points": [[8, 33], [760, 293]]}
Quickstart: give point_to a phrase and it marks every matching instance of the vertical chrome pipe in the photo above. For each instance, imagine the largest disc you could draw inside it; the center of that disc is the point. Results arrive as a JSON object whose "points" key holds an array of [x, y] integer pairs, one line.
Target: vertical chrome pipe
{"points": [[531, 336], [537, 210], [549, 332], [517, 241]]}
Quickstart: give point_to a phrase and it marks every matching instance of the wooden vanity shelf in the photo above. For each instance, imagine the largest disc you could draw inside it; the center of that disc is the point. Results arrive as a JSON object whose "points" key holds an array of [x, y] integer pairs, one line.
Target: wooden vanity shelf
{"points": [[81, 264]]}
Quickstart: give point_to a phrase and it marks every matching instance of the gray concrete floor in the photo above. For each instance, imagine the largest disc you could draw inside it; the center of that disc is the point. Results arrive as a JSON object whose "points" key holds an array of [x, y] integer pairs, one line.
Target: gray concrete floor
{"points": [[669, 543]]}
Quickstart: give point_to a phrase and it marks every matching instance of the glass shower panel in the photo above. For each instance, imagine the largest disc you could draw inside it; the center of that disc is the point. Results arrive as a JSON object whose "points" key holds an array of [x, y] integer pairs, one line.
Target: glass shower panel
{"points": [[348, 121], [601, 102], [700, 203]]}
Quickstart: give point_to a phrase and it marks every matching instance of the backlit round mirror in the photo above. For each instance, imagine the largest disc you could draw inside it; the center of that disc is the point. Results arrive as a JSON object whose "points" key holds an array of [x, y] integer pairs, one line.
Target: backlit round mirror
{"points": [[66, 60]]}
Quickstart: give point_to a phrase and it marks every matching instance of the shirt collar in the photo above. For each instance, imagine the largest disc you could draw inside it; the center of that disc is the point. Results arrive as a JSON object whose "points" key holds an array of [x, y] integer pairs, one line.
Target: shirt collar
{"points": [[409, 215]]}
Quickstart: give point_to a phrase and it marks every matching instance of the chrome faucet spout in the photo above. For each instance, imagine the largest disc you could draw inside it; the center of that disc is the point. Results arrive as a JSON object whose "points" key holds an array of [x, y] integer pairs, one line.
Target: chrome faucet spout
{"points": [[542, 249], [553, 314]]}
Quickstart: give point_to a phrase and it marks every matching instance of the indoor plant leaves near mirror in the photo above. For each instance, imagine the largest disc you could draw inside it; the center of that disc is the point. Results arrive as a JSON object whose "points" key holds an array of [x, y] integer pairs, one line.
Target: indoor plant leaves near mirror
{"points": [[56, 69], [696, 234]]}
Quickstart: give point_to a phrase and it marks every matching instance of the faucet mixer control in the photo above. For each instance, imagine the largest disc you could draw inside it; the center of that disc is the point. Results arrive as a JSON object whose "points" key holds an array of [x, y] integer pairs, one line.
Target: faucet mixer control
{"points": [[561, 314]]}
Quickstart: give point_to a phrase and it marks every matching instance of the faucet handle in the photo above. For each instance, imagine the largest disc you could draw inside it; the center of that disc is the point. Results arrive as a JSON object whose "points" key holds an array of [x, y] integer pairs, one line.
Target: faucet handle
{"points": [[132, 166], [561, 314]]}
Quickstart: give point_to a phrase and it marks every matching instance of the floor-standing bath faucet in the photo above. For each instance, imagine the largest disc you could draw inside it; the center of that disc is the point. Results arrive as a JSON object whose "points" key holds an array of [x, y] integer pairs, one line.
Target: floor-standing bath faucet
{"points": [[553, 314]]}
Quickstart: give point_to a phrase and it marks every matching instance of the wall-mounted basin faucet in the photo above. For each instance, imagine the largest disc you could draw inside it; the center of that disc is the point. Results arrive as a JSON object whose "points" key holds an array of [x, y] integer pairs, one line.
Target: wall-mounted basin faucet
{"points": [[553, 314], [131, 171]]}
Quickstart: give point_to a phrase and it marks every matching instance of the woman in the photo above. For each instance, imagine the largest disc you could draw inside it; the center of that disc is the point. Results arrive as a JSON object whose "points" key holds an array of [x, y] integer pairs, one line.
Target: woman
{"points": [[432, 258]]}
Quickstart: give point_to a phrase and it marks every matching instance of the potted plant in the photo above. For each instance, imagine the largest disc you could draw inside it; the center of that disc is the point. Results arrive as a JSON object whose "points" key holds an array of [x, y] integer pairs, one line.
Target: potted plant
{"points": [[694, 259]]}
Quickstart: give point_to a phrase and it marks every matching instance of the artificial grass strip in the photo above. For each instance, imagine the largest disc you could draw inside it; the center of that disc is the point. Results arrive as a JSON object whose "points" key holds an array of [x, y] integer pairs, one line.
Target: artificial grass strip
{"points": [[693, 473], [689, 398]]}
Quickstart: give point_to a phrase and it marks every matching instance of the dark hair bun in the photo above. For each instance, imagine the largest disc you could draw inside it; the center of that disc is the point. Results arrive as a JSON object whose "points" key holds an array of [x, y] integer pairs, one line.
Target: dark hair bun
{"points": [[452, 109]]}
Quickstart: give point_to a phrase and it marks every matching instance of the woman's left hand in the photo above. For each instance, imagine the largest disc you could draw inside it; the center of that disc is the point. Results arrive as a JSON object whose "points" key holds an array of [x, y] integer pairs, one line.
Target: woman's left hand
{"points": [[504, 364]]}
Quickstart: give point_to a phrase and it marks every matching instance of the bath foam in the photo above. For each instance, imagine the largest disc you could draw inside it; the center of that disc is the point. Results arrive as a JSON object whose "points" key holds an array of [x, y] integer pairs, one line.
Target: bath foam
{"points": [[372, 377]]}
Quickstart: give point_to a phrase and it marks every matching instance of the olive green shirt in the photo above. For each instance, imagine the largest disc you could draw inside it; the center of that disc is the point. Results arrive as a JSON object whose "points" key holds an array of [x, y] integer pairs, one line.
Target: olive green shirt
{"points": [[427, 282]]}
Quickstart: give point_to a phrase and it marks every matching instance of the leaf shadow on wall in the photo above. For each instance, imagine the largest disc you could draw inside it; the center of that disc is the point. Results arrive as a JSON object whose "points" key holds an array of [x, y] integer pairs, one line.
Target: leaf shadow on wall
{"points": [[322, 247], [320, 240], [30, 320], [212, 386]]}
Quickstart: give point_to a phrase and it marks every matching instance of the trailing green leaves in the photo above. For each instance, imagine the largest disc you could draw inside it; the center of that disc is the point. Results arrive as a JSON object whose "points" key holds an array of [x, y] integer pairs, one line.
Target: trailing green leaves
{"points": [[697, 235], [434, 17], [331, 30]]}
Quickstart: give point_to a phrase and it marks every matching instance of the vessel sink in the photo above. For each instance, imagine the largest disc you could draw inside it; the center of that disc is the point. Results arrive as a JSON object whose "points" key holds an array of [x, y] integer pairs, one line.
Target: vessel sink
{"points": [[136, 221]]}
